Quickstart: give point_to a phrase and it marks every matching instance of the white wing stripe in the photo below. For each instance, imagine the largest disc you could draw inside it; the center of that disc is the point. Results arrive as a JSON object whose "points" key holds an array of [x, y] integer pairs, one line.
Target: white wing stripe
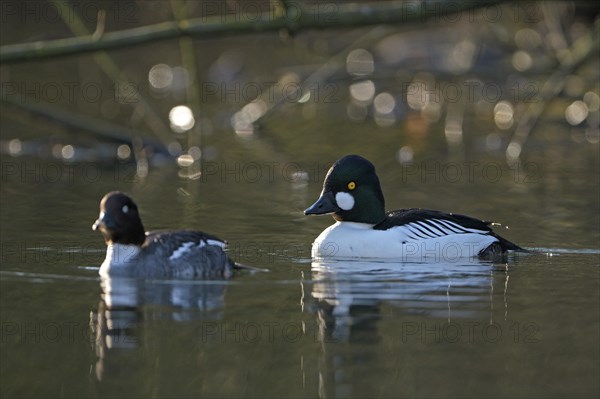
{"points": [[450, 226], [462, 228], [217, 243], [413, 231], [181, 250], [454, 227], [435, 228], [424, 230], [425, 224], [471, 230]]}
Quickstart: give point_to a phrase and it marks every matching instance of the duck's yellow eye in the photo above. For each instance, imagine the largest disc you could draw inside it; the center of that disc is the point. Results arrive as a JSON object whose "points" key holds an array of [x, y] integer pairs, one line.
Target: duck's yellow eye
{"points": [[351, 185]]}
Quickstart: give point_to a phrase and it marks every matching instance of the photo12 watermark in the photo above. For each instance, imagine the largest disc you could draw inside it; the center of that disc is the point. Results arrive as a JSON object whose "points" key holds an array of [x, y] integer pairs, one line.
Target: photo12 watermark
{"points": [[26, 171], [92, 251], [48, 12], [330, 12], [63, 332], [69, 92], [319, 13], [467, 332], [470, 332], [469, 172], [469, 91], [75, 252], [275, 332]]}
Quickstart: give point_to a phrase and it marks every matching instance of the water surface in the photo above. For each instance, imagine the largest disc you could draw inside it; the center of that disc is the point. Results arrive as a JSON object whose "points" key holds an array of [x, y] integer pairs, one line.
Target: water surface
{"points": [[524, 328]]}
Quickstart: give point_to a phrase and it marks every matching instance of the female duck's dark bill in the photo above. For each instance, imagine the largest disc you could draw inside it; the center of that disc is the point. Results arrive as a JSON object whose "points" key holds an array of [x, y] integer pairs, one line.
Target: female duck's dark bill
{"points": [[325, 204], [104, 221]]}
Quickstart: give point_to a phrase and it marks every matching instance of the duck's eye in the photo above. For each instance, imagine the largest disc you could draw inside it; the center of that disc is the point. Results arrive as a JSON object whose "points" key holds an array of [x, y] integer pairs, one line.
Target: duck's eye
{"points": [[351, 185], [125, 209]]}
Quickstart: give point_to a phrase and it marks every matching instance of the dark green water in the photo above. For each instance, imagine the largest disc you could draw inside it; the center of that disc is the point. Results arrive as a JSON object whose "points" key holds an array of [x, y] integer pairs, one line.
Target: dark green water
{"points": [[448, 92], [525, 328]]}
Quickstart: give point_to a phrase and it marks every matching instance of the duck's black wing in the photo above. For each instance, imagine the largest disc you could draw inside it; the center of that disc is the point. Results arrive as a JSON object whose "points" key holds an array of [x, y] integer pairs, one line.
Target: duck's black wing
{"points": [[427, 223], [173, 239], [188, 254]]}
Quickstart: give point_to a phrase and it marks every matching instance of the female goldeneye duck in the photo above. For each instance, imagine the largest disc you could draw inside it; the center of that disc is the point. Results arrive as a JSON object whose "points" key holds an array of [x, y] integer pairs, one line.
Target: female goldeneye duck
{"points": [[352, 194], [131, 252]]}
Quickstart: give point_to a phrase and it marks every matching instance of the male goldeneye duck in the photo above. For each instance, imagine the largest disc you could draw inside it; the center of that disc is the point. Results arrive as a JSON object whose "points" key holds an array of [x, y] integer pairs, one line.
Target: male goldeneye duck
{"points": [[131, 252], [352, 194]]}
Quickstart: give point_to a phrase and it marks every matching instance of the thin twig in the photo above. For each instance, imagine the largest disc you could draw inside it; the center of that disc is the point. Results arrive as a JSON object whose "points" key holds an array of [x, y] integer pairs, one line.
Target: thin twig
{"points": [[338, 16]]}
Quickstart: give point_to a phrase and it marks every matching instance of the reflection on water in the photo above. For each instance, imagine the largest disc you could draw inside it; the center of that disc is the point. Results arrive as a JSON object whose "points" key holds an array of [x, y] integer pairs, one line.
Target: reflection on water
{"points": [[190, 296], [440, 290], [431, 303], [127, 304]]}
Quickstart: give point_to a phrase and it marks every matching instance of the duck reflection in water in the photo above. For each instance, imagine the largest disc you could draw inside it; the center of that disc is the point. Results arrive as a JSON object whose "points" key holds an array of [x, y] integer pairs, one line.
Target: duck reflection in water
{"points": [[347, 292], [356, 301], [127, 304]]}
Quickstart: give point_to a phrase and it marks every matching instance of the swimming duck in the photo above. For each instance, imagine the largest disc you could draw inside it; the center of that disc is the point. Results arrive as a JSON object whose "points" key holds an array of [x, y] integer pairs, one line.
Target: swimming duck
{"points": [[131, 252], [363, 229]]}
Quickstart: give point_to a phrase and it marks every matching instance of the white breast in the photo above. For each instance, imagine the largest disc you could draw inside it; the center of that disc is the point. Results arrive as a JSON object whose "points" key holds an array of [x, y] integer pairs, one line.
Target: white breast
{"points": [[120, 259], [442, 242]]}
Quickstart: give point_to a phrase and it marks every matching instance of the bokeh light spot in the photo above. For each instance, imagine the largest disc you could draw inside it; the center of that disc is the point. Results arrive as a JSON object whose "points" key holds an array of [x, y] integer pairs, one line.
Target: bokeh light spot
{"points": [[15, 147], [417, 96], [521, 60], [68, 151], [123, 151], [160, 76], [576, 113], [363, 91], [405, 154], [360, 62], [504, 115], [181, 118], [384, 103]]}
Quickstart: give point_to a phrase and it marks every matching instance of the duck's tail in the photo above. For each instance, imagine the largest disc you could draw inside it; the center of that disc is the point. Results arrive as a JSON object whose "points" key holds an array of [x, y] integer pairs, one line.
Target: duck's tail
{"points": [[509, 245], [505, 245]]}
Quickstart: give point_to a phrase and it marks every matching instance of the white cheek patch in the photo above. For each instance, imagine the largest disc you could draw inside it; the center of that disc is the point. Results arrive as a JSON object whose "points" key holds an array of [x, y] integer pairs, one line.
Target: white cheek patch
{"points": [[125, 209], [344, 200]]}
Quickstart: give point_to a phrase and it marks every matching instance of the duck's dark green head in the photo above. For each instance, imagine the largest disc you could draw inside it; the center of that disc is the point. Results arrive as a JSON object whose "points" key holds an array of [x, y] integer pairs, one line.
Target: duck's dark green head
{"points": [[351, 192]]}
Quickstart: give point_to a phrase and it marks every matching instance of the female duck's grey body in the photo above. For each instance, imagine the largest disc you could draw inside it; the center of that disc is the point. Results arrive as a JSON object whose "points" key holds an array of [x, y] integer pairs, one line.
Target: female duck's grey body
{"points": [[164, 254]]}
